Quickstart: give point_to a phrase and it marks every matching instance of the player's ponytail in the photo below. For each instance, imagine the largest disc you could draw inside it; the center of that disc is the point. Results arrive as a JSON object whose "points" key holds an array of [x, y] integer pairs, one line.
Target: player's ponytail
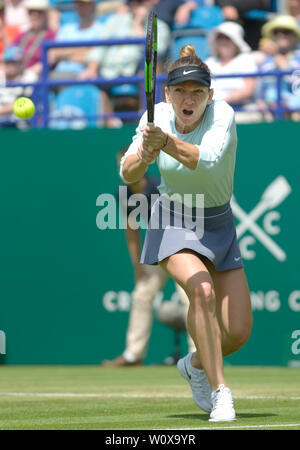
{"points": [[187, 50]]}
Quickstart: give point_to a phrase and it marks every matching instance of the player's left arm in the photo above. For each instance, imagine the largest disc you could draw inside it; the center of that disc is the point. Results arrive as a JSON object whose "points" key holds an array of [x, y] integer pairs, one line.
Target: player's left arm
{"points": [[219, 138]]}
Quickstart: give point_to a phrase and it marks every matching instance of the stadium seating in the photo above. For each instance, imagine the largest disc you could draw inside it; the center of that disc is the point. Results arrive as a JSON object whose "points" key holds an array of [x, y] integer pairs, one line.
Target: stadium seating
{"points": [[196, 31], [79, 101], [130, 90], [257, 14], [68, 13]]}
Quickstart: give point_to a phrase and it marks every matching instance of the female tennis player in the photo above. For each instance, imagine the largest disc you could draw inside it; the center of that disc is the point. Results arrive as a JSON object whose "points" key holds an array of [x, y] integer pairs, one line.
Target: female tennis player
{"points": [[194, 141]]}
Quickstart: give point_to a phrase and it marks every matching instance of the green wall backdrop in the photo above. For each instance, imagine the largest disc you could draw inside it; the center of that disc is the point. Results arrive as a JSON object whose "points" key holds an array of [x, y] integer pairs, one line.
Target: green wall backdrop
{"points": [[65, 284]]}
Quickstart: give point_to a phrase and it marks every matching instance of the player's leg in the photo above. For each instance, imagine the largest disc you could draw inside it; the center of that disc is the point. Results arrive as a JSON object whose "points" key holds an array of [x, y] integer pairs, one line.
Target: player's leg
{"points": [[186, 268], [233, 308], [185, 305]]}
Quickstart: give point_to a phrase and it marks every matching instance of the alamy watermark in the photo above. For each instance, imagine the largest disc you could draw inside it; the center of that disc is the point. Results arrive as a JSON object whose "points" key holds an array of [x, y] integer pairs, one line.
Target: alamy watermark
{"points": [[177, 211]]}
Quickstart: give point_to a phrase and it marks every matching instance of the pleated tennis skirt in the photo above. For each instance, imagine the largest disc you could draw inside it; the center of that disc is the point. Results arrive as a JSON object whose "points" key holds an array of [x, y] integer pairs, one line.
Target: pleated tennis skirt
{"points": [[211, 234]]}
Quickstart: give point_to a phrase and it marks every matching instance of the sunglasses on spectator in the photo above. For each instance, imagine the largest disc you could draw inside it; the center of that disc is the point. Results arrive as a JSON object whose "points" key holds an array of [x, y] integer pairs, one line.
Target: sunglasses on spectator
{"points": [[37, 11], [283, 31]]}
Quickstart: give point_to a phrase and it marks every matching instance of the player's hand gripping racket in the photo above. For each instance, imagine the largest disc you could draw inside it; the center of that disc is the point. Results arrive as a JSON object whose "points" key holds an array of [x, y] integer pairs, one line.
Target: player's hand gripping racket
{"points": [[150, 65]]}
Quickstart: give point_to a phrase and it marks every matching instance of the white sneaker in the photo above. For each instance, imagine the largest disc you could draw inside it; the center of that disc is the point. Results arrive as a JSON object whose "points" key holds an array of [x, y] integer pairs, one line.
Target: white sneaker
{"points": [[198, 382], [223, 408]]}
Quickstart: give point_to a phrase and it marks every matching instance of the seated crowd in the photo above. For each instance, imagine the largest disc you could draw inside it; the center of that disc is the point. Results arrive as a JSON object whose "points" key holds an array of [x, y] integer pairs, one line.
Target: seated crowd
{"points": [[243, 37]]}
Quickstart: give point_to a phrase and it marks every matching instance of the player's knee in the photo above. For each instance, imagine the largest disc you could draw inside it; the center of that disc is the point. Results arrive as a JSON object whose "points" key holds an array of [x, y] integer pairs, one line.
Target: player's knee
{"points": [[201, 294]]}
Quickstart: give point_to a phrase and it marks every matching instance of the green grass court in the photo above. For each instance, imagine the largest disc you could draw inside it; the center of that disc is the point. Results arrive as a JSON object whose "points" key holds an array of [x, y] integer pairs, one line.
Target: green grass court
{"points": [[141, 398]]}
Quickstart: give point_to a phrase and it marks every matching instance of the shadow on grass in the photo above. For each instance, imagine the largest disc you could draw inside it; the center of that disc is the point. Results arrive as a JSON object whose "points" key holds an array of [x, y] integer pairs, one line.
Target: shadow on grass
{"points": [[205, 417]]}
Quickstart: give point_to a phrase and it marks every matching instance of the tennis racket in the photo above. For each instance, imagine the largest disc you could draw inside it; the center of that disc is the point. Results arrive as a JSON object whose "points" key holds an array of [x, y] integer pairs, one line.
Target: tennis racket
{"points": [[150, 65]]}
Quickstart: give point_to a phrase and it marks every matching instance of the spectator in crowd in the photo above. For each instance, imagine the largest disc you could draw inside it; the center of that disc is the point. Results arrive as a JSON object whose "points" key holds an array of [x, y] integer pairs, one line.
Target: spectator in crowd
{"points": [[31, 41], [293, 8], [108, 7], [166, 10], [266, 48], [62, 12], [13, 70], [7, 32], [285, 32], [70, 62], [236, 10], [232, 55], [56, 8], [149, 280], [130, 21], [124, 60], [183, 13], [16, 14]]}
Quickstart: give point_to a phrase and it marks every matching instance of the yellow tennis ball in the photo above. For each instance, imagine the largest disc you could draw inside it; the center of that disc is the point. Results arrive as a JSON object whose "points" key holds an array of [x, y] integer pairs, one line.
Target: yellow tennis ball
{"points": [[24, 108]]}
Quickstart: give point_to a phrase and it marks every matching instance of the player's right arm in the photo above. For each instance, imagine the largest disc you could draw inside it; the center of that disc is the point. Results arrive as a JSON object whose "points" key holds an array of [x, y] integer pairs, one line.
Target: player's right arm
{"points": [[135, 162], [136, 165]]}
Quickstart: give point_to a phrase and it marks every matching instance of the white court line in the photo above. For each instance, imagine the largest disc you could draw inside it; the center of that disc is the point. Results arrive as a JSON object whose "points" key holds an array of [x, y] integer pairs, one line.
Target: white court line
{"points": [[122, 395], [273, 425]]}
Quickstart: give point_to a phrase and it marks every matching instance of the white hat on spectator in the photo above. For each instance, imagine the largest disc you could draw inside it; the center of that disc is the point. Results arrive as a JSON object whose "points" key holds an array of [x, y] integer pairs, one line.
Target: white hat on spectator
{"points": [[36, 4], [234, 32]]}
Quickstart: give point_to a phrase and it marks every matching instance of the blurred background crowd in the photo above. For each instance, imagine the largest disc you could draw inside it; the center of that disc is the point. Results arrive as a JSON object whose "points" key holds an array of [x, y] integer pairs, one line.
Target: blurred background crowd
{"points": [[231, 36]]}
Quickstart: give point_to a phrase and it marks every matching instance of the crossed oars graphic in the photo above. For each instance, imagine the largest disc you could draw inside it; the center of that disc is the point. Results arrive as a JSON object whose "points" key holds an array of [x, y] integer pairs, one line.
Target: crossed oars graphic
{"points": [[275, 193]]}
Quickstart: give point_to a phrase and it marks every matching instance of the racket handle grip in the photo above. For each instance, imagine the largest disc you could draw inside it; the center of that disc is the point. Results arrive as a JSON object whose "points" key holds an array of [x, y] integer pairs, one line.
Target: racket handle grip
{"points": [[150, 148]]}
